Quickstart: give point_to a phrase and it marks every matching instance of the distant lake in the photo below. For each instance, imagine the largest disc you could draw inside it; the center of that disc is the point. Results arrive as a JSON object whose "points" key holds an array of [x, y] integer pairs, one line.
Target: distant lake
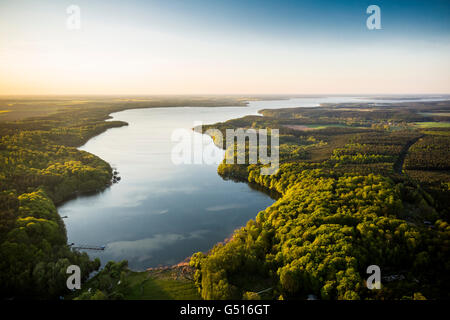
{"points": [[161, 213]]}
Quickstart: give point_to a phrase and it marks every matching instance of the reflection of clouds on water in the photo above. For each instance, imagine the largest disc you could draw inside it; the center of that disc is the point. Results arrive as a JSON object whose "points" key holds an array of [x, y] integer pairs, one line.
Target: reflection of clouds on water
{"points": [[226, 207], [128, 200], [188, 189], [148, 244], [135, 197], [142, 249]]}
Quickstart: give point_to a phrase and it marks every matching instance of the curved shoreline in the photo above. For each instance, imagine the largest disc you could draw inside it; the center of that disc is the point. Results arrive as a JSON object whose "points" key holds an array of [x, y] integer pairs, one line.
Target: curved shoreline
{"points": [[110, 116], [116, 118], [119, 124]]}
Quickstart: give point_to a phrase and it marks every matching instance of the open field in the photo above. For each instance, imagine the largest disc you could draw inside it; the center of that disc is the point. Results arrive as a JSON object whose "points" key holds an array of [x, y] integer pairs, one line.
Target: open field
{"points": [[169, 283], [161, 284], [441, 114], [308, 127], [432, 124]]}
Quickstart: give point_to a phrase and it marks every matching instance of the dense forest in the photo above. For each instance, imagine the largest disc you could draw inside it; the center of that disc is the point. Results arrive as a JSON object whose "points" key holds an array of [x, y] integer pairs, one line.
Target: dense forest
{"points": [[369, 188]]}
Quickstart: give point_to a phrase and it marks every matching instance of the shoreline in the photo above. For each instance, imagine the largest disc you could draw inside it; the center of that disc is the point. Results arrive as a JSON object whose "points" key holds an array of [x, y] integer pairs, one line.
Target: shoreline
{"points": [[109, 118]]}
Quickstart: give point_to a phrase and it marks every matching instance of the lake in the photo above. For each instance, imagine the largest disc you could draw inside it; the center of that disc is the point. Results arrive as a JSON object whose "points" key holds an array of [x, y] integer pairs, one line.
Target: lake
{"points": [[160, 213]]}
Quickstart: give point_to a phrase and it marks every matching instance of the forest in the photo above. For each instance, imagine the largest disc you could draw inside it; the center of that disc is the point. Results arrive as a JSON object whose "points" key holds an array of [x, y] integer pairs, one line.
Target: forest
{"points": [[372, 192]]}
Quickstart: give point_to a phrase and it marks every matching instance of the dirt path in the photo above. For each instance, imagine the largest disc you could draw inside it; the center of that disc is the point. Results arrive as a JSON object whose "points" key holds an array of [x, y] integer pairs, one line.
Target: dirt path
{"points": [[398, 165]]}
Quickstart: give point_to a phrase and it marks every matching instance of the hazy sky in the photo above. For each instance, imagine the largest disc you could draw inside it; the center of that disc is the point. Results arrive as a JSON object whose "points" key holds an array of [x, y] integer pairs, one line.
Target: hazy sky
{"points": [[220, 47]]}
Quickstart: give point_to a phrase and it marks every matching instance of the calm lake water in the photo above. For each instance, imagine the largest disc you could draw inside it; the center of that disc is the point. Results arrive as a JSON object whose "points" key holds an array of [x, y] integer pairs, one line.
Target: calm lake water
{"points": [[160, 213]]}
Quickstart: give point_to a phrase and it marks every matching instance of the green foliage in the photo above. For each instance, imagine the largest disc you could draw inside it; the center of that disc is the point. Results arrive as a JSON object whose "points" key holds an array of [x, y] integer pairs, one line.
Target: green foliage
{"points": [[40, 166], [251, 296], [343, 206], [34, 255], [109, 284], [319, 238], [430, 153]]}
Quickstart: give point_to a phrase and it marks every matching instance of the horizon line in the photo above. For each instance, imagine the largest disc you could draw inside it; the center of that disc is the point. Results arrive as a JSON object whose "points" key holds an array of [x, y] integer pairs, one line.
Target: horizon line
{"points": [[215, 94]]}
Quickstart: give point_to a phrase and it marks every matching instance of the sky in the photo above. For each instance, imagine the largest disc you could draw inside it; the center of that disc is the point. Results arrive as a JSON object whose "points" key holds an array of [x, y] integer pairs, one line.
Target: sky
{"points": [[224, 47]]}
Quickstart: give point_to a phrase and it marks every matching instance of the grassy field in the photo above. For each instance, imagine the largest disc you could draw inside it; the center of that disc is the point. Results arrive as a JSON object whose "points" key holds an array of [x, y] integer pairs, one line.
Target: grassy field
{"points": [[430, 114], [167, 283], [306, 127], [432, 124], [161, 285]]}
